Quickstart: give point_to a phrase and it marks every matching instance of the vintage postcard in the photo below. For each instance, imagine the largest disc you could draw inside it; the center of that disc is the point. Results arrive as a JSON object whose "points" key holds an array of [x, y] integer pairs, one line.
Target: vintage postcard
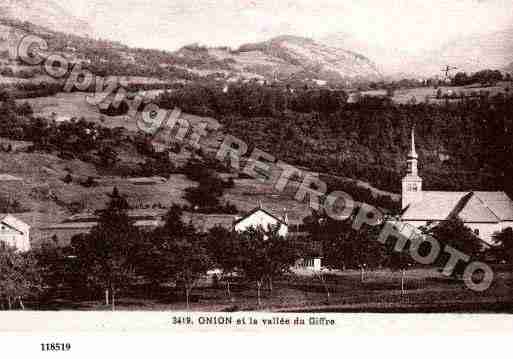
{"points": [[251, 165]]}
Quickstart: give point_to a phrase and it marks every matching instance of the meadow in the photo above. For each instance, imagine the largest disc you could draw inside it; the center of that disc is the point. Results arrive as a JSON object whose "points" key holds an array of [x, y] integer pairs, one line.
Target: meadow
{"points": [[420, 94], [380, 291]]}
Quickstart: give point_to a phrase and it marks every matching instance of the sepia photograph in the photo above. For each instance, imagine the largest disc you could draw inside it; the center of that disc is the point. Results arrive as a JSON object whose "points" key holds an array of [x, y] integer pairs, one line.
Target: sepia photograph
{"points": [[253, 162]]}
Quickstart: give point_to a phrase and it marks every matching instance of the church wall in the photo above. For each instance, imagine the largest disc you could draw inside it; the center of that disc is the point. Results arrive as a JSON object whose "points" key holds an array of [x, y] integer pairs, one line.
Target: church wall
{"points": [[507, 224], [486, 230]]}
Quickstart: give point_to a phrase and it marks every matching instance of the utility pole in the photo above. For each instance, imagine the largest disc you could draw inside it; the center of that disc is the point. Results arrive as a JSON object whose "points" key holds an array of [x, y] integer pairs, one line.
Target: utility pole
{"points": [[447, 71]]}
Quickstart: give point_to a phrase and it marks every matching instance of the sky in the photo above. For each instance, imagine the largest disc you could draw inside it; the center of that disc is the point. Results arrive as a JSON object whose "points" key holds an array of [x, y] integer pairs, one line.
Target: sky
{"points": [[413, 26]]}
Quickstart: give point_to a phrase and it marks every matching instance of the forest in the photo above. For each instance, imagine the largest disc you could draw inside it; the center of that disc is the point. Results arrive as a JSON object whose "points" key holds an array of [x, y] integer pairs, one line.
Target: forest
{"points": [[463, 145]]}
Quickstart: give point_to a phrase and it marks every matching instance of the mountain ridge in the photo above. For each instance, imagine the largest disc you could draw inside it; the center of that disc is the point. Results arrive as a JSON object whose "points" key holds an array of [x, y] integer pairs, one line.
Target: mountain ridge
{"points": [[45, 13], [470, 53], [288, 56]]}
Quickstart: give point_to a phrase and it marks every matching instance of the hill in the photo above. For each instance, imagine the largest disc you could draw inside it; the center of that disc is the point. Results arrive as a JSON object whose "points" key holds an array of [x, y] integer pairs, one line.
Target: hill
{"points": [[283, 57], [45, 13], [291, 56]]}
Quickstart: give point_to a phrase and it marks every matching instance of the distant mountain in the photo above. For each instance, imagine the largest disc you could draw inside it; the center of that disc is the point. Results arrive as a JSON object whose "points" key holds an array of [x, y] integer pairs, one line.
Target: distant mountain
{"points": [[45, 13], [291, 57], [284, 57], [473, 53], [468, 53], [388, 60]]}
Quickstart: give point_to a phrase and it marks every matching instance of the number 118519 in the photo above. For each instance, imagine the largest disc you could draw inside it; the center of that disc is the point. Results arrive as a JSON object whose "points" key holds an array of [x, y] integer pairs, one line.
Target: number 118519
{"points": [[55, 347]]}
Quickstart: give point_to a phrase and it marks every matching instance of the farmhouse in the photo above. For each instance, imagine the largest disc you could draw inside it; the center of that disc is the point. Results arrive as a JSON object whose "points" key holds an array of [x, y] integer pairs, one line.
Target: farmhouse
{"points": [[483, 212], [15, 233], [260, 217]]}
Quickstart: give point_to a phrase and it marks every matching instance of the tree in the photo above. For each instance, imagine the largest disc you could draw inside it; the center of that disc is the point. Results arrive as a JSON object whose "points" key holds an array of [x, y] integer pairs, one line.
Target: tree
{"points": [[504, 242], [19, 276], [390, 91], [189, 262], [176, 252], [265, 255], [206, 197], [108, 156], [461, 79], [454, 233], [68, 179], [58, 267], [343, 246], [107, 256], [224, 248]]}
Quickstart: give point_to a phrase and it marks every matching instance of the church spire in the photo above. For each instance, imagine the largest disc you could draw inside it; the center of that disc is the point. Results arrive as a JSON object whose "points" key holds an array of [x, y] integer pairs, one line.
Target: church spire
{"points": [[412, 183], [413, 153]]}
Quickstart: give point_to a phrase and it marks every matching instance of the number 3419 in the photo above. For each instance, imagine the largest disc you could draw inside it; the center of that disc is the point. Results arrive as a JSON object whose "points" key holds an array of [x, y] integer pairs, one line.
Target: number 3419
{"points": [[55, 347]]}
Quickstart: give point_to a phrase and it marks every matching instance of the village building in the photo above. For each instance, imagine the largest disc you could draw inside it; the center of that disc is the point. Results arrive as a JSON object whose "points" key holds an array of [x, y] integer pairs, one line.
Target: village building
{"points": [[483, 212], [261, 217], [14, 233]]}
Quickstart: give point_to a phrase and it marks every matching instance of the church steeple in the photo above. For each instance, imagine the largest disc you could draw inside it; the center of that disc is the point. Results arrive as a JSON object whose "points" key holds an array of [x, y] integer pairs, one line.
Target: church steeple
{"points": [[412, 183], [413, 153], [412, 156]]}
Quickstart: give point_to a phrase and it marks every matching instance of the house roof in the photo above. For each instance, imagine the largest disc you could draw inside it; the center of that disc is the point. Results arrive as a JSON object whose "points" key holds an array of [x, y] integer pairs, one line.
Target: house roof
{"points": [[15, 223], [259, 209], [481, 207]]}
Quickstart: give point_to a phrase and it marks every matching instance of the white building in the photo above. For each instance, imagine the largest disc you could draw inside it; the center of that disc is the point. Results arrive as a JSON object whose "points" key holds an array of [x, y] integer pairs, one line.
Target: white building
{"points": [[484, 212], [260, 217], [15, 233]]}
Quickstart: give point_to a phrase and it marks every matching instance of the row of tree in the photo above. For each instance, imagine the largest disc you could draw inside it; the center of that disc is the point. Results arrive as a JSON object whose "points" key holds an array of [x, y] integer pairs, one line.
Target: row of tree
{"points": [[483, 77], [117, 256]]}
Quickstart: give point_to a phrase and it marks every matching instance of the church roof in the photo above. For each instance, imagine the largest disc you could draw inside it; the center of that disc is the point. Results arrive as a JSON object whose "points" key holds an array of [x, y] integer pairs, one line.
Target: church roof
{"points": [[499, 203], [480, 207], [434, 206]]}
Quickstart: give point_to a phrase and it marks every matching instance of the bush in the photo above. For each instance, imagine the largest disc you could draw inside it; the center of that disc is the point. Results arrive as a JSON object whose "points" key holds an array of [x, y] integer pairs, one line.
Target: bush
{"points": [[7, 72], [25, 74], [89, 182], [68, 179]]}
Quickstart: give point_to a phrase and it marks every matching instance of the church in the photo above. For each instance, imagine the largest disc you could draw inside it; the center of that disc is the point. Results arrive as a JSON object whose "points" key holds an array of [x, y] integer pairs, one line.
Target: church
{"points": [[483, 212]]}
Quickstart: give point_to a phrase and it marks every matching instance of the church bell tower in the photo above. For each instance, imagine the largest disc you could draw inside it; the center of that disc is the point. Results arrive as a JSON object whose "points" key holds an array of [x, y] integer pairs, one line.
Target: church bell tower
{"points": [[412, 183]]}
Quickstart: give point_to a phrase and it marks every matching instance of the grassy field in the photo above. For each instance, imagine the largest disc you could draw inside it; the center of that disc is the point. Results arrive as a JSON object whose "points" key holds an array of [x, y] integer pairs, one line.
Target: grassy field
{"points": [[420, 94], [426, 290]]}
